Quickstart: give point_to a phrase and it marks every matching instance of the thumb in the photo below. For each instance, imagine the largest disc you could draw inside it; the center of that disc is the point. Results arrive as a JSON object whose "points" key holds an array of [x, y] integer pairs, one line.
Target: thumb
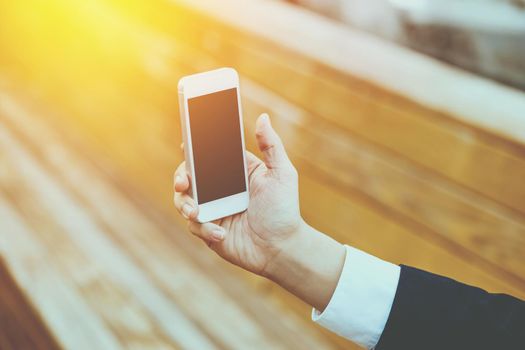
{"points": [[270, 144]]}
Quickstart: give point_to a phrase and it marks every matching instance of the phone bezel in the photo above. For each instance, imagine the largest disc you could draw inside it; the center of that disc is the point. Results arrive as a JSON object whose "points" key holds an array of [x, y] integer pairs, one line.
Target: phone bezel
{"points": [[194, 86]]}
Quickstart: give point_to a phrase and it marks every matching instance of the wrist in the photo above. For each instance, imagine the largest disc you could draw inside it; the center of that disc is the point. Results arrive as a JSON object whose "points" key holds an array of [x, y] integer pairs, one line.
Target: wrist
{"points": [[308, 265], [286, 251]]}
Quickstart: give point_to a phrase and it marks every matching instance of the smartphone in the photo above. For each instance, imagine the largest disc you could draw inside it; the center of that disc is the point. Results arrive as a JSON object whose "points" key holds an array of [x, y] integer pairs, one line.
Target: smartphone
{"points": [[213, 135]]}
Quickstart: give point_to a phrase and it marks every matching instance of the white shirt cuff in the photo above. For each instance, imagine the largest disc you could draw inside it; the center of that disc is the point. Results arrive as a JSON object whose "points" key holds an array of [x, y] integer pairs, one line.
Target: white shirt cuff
{"points": [[361, 303]]}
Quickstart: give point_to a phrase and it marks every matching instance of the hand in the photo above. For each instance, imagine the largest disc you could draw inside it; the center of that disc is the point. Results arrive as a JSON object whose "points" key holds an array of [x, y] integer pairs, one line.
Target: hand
{"points": [[270, 238], [253, 238]]}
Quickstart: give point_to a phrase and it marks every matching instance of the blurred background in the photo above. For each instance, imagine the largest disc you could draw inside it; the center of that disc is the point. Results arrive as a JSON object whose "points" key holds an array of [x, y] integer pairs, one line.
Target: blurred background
{"points": [[405, 119]]}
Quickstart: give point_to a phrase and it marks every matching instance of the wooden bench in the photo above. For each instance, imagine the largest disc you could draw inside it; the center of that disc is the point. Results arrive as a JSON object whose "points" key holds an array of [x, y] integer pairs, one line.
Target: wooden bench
{"points": [[398, 155]]}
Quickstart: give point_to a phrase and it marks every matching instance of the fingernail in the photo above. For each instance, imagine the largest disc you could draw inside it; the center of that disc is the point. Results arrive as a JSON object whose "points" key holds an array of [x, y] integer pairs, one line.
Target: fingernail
{"points": [[186, 210], [218, 234], [177, 179]]}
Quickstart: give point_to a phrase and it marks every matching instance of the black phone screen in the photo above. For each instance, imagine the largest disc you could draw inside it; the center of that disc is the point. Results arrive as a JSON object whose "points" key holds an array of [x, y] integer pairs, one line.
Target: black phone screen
{"points": [[217, 145]]}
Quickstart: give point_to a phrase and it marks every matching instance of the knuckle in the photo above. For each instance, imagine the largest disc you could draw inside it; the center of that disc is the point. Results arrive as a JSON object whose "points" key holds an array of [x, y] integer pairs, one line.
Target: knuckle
{"points": [[191, 228], [195, 228], [194, 214], [259, 134]]}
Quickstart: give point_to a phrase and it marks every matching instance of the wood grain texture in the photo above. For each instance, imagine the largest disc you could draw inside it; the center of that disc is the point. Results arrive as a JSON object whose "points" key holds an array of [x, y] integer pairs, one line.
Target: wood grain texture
{"points": [[88, 145], [382, 63], [406, 193], [429, 138], [120, 303], [20, 325]]}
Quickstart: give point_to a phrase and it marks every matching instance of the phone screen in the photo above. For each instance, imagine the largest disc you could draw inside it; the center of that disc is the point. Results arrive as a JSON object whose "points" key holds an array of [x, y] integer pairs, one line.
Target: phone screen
{"points": [[217, 145]]}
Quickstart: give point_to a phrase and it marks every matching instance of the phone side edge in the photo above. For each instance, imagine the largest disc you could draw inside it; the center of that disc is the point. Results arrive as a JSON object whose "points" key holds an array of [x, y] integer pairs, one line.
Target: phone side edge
{"points": [[186, 139]]}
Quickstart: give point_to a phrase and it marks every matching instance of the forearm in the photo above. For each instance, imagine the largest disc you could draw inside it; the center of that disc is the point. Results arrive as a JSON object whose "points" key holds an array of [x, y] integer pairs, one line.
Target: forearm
{"points": [[462, 316], [308, 265]]}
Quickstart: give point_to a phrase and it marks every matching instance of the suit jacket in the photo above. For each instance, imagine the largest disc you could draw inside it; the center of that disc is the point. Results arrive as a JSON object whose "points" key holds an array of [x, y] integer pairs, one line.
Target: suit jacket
{"points": [[435, 312]]}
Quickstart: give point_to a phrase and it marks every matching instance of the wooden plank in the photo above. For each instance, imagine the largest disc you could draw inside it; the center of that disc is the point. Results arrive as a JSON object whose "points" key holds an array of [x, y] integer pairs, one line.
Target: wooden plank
{"points": [[47, 290], [472, 157], [365, 229], [355, 53], [20, 325], [405, 194]]}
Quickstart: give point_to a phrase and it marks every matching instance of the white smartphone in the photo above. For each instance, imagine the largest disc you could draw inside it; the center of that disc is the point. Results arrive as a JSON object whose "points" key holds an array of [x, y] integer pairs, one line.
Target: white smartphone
{"points": [[213, 135]]}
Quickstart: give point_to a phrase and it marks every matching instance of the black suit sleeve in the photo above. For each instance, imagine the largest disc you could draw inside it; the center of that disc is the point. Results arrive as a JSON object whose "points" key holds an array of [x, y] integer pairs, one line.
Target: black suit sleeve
{"points": [[435, 312]]}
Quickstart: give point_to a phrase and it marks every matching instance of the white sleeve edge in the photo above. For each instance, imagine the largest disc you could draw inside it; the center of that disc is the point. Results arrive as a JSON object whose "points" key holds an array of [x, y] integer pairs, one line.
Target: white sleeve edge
{"points": [[361, 303]]}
